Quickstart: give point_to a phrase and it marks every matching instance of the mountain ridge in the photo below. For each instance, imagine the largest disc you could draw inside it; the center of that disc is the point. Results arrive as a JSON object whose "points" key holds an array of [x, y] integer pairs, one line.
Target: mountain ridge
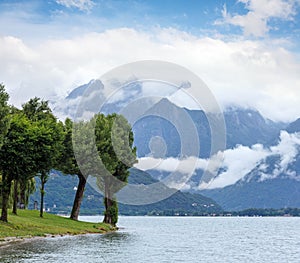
{"points": [[157, 135], [60, 193]]}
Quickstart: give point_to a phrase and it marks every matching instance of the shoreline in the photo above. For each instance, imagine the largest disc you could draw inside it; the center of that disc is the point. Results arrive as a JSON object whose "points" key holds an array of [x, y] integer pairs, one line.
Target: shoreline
{"points": [[27, 225], [10, 241]]}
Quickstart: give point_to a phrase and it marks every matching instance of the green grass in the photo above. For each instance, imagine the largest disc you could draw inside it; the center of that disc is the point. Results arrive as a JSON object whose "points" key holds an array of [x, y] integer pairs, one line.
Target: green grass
{"points": [[28, 224]]}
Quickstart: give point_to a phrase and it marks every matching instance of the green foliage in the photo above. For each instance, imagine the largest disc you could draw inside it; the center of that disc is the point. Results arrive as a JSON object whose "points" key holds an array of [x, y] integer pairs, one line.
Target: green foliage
{"points": [[112, 212], [103, 148], [32, 145], [36, 109], [4, 113], [18, 151], [80, 155], [114, 141], [49, 138], [49, 134], [68, 163], [78, 152]]}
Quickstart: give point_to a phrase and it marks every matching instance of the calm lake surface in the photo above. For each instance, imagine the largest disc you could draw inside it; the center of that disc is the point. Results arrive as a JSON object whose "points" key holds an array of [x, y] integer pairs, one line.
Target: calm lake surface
{"points": [[171, 239]]}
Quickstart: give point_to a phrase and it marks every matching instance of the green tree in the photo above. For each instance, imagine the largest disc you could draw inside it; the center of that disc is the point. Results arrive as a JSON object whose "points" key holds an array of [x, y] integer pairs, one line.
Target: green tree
{"points": [[69, 163], [16, 156], [4, 113], [49, 139], [114, 141], [36, 109], [4, 122], [102, 148]]}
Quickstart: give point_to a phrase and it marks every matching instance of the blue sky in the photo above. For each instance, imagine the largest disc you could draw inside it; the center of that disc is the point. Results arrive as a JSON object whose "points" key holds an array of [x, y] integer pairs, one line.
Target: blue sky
{"points": [[193, 16], [247, 51]]}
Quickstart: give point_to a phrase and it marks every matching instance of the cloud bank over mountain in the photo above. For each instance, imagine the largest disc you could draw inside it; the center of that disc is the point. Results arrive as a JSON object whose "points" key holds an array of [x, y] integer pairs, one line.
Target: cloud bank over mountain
{"points": [[236, 163], [243, 72]]}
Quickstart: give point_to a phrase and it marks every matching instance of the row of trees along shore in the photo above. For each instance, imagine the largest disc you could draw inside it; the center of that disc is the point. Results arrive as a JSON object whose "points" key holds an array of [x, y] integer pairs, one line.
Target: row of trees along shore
{"points": [[33, 142]]}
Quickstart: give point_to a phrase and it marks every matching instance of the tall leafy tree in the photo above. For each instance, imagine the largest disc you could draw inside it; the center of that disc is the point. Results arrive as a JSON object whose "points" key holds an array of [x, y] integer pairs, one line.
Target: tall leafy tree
{"points": [[32, 145], [4, 113], [69, 163], [114, 141], [103, 148], [49, 140], [4, 123], [16, 156]]}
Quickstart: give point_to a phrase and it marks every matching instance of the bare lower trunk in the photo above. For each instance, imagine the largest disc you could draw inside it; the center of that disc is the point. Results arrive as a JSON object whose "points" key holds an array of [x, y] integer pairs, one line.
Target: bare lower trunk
{"points": [[42, 198], [23, 200], [6, 182], [111, 207], [78, 197], [15, 197], [108, 216]]}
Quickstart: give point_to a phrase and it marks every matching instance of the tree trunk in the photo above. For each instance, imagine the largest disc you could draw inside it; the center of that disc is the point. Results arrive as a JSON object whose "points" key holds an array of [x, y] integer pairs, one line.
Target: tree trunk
{"points": [[107, 215], [23, 194], [42, 197], [15, 197], [78, 197], [6, 185], [109, 203]]}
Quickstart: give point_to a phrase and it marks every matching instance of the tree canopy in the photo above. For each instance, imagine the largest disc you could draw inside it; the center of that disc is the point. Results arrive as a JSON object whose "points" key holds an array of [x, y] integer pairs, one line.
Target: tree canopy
{"points": [[32, 146], [114, 141], [4, 113], [33, 141]]}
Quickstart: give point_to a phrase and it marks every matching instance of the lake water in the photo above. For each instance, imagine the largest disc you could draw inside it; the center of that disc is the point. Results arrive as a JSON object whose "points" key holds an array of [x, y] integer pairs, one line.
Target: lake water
{"points": [[171, 239]]}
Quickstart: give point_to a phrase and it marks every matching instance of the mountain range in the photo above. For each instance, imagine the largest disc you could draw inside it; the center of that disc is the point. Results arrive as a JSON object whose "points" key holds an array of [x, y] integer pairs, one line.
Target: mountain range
{"points": [[274, 182], [260, 161], [60, 192]]}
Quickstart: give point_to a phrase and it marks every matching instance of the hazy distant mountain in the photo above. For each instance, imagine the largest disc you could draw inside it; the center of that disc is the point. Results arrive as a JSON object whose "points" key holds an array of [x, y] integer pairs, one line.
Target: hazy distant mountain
{"points": [[243, 126], [92, 97], [273, 183], [275, 193], [248, 127], [269, 181], [293, 127], [60, 191]]}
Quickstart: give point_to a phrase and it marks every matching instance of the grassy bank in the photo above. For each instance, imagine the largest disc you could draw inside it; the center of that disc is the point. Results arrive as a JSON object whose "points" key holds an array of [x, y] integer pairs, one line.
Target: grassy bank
{"points": [[28, 224]]}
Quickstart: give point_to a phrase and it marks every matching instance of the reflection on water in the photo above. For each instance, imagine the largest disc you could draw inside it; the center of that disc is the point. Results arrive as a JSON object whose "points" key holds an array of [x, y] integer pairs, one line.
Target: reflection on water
{"points": [[151, 239]]}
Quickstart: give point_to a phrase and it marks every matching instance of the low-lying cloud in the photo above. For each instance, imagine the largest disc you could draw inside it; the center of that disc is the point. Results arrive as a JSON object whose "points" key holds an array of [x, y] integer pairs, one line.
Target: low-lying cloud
{"points": [[237, 162]]}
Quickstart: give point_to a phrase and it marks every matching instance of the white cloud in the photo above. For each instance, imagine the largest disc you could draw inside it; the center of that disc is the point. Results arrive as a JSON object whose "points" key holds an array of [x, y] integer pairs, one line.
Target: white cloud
{"points": [[237, 163], [256, 21], [179, 170], [287, 148], [234, 164], [83, 5], [184, 166], [248, 73]]}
